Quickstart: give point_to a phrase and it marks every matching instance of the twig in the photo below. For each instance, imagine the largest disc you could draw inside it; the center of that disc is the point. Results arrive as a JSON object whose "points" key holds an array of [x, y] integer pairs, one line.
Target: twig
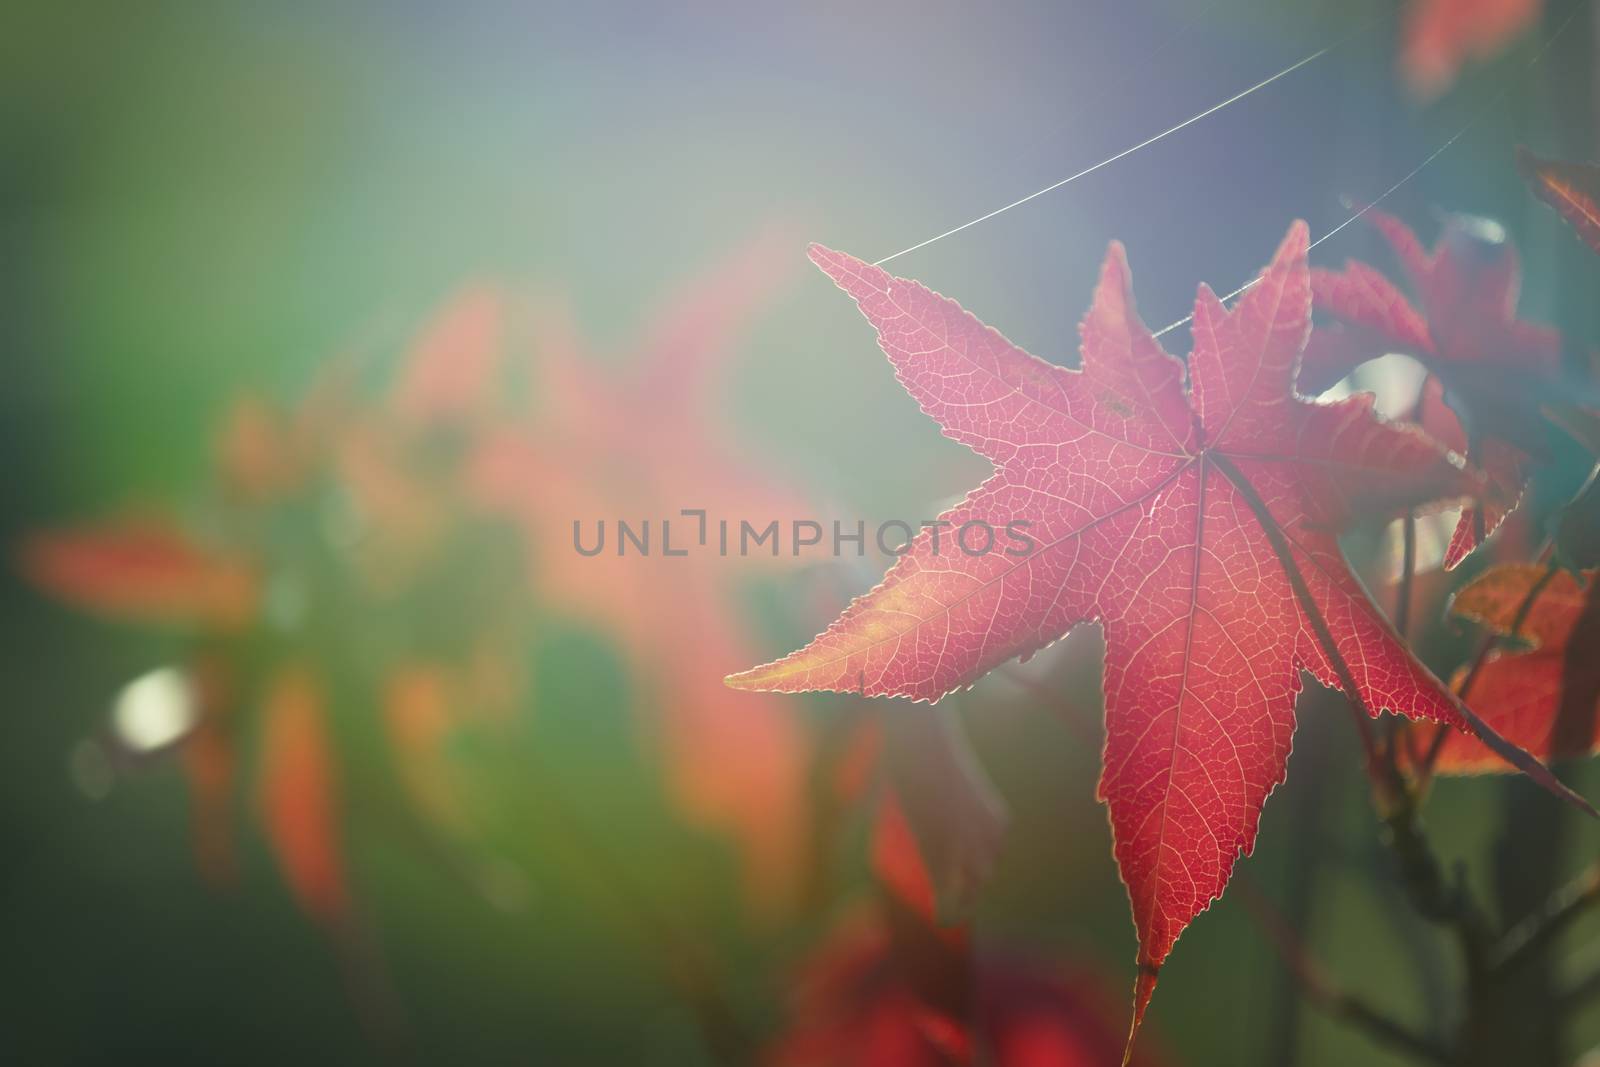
{"points": [[1537, 930], [1408, 573], [1322, 992], [1398, 732]]}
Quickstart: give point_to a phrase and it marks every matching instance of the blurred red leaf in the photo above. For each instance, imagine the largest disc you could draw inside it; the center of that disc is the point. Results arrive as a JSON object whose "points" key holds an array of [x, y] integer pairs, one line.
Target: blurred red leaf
{"points": [[1165, 513], [299, 793], [1545, 698], [451, 370], [857, 1005], [897, 860], [1440, 35], [1496, 369], [143, 570]]}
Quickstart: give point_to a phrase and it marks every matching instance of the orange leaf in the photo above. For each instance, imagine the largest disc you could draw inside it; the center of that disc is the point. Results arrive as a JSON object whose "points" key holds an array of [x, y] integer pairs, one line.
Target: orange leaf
{"points": [[418, 716], [298, 794], [451, 369], [897, 859], [1544, 699]]}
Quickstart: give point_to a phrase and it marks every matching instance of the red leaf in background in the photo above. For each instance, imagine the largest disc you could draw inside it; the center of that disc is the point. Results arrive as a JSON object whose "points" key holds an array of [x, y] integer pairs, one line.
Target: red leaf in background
{"points": [[419, 705], [1496, 369], [1573, 189], [1545, 698], [897, 860], [143, 571], [1145, 501], [451, 369], [644, 438], [1440, 35], [298, 794], [857, 1006]]}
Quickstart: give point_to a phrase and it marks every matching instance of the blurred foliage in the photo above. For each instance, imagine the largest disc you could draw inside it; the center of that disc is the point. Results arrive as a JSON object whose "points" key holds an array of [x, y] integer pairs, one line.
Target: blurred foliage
{"points": [[198, 201]]}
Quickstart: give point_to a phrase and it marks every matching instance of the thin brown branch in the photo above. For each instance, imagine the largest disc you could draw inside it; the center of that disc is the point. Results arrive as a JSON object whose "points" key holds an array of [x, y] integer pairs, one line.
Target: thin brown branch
{"points": [[1322, 992], [1535, 931]]}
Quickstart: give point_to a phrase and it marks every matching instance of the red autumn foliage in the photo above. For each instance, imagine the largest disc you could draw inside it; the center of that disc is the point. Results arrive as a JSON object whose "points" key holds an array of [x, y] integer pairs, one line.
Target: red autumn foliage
{"points": [[1545, 697], [1496, 370], [1196, 523]]}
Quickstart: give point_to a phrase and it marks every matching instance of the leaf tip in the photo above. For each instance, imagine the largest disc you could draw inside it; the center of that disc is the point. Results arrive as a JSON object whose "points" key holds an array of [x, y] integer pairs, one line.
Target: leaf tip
{"points": [[1144, 987], [1292, 253], [766, 678], [855, 276], [829, 261], [745, 681]]}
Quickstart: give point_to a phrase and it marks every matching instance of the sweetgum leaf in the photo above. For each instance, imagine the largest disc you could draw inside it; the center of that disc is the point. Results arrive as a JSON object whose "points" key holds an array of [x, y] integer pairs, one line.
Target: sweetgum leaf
{"points": [[1546, 696], [1150, 505], [1498, 371]]}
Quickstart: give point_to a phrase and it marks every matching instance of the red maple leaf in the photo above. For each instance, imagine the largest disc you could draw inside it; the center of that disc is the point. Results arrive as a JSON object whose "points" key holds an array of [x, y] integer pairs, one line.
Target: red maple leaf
{"points": [[1573, 189], [1196, 525], [1440, 35], [1545, 698], [1497, 370]]}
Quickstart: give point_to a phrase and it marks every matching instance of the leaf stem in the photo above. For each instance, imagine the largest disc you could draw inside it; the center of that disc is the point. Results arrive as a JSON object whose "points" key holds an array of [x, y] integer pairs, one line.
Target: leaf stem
{"points": [[1385, 779], [1408, 573], [1398, 728]]}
